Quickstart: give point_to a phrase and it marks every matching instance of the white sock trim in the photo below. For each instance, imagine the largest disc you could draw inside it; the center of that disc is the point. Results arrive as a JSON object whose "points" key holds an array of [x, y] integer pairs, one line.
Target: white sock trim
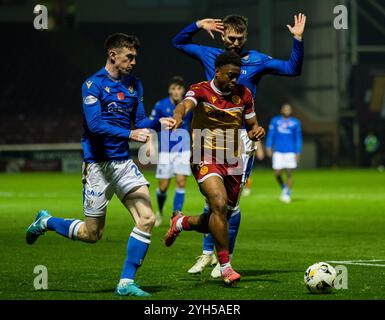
{"points": [[179, 225], [141, 233], [72, 228], [76, 229], [140, 238], [224, 266], [44, 221], [180, 190], [124, 281], [160, 192], [208, 253]]}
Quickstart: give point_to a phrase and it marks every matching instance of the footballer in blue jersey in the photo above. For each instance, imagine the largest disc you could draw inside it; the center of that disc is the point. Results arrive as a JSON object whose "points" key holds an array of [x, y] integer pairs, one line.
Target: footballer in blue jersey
{"points": [[284, 145], [255, 65], [173, 149], [112, 101]]}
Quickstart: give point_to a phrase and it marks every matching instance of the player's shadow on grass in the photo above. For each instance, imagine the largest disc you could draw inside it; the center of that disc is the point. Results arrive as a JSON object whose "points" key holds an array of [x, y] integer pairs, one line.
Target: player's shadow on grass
{"points": [[151, 289], [81, 291], [255, 273]]}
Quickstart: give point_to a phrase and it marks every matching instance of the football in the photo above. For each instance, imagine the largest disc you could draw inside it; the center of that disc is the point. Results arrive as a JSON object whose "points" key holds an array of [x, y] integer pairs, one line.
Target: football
{"points": [[320, 277]]}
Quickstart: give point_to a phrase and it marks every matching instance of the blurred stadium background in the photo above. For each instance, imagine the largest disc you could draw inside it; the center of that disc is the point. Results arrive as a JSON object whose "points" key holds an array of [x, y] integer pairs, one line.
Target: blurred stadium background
{"points": [[339, 98]]}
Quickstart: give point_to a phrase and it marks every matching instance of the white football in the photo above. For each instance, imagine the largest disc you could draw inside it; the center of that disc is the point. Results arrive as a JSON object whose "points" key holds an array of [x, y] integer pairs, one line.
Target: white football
{"points": [[320, 277]]}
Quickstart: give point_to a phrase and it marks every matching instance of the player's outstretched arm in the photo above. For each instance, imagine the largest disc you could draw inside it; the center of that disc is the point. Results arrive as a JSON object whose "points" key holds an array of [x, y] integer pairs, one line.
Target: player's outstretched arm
{"points": [[183, 41], [293, 66]]}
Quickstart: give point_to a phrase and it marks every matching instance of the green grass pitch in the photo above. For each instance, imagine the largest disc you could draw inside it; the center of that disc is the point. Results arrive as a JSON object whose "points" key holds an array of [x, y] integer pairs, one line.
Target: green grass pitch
{"points": [[335, 215]]}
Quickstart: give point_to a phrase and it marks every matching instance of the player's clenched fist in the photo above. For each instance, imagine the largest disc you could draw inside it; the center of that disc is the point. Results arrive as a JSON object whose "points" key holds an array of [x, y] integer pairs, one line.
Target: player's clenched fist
{"points": [[168, 123], [140, 135], [256, 134]]}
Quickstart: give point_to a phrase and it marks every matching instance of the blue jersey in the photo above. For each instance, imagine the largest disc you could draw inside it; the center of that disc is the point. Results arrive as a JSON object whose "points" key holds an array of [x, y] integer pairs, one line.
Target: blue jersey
{"points": [[254, 63], [284, 135], [109, 107], [176, 140]]}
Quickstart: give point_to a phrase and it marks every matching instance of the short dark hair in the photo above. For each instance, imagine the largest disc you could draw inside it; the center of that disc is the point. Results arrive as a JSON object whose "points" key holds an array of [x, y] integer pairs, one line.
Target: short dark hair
{"points": [[121, 40], [177, 80], [235, 22], [228, 57]]}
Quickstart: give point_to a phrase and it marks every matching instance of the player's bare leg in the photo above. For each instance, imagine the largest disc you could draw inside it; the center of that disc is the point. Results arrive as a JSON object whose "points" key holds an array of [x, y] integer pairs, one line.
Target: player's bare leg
{"points": [[278, 177], [285, 196], [161, 195], [179, 196], [289, 184], [138, 203], [216, 223], [90, 230], [289, 181]]}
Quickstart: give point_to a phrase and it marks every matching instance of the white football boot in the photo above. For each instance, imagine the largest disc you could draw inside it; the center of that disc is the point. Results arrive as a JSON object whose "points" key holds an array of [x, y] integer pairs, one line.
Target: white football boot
{"points": [[202, 262], [216, 273]]}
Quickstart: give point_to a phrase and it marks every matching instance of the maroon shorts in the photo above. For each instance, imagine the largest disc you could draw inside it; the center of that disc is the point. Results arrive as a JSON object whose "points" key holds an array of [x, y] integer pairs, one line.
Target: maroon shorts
{"points": [[231, 176]]}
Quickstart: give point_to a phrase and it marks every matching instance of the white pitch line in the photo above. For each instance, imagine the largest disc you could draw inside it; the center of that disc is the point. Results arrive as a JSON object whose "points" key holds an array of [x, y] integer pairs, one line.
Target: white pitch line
{"points": [[361, 263]]}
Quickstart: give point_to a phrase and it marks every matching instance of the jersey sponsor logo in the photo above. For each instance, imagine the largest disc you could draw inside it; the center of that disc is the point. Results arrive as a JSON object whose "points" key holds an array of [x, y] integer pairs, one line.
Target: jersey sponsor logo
{"points": [[107, 89], [120, 95], [89, 84], [213, 99], [131, 89], [190, 93], [90, 100], [203, 171], [113, 107], [236, 99]]}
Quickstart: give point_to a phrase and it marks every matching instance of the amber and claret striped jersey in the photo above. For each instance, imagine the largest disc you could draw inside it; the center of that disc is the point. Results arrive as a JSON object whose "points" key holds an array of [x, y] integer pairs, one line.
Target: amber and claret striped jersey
{"points": [[218, 117]]}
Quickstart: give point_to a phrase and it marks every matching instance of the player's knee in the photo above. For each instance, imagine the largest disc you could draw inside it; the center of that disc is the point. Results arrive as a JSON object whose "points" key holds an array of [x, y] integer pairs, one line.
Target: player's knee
{"points": [[218, 202], [146, 223], [163, 185]]}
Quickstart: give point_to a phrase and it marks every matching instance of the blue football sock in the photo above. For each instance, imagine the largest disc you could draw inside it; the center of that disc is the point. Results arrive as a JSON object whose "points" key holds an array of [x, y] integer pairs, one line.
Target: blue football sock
{"points": [[234, 222], [137, 247], [208, 240], [65, 227], [178, 199], [161, 199]]}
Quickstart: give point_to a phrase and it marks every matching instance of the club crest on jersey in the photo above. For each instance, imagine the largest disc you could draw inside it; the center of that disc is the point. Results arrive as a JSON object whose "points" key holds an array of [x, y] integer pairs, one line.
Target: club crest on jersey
{"points": [[213, 99], [204, 170], [89, 84], [131, 89], [236, 99], [120, 95], [107, 89]]}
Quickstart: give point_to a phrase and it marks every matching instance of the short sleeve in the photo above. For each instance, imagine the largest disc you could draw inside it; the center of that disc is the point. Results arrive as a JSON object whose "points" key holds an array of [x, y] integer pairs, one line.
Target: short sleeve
{"points": [[248, 101], [195, 94]]}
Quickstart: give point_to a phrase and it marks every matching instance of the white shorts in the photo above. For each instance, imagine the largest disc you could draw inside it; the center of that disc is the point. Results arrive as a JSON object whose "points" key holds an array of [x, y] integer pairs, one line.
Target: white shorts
{"points": [[284, 160], [170, 164], [248, 151], [104, 179]]}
